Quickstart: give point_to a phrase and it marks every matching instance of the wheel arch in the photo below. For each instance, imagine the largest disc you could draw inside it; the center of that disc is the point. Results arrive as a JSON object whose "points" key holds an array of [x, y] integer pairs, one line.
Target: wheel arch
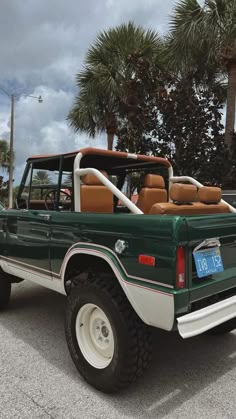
{"points": [[105, 263], [153, 307], [85, 258]]}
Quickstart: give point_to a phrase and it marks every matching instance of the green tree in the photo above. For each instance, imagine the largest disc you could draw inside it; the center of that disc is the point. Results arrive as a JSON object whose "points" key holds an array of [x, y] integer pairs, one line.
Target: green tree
{"points": [[106, 94], [138, 129], [190, 131], [4, 155], [4, 165], [41, 177], [180, 122], [93, 112], [203, 40]]}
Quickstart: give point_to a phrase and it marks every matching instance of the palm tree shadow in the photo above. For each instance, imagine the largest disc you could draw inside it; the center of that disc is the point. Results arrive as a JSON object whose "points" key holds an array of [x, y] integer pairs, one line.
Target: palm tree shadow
{"points": [[180, 369]]}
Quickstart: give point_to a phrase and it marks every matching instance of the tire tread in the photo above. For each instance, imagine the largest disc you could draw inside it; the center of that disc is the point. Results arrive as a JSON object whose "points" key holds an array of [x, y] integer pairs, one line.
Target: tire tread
{"points": [[139, 351]]}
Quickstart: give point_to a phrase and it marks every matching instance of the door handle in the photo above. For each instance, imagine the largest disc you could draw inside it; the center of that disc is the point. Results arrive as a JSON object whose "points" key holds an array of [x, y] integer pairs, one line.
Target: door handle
{"points": [[45, 216]]}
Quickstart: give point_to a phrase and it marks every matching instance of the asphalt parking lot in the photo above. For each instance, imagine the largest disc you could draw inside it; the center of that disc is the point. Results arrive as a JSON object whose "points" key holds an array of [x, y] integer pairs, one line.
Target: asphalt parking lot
{"points": [[194, 378]]}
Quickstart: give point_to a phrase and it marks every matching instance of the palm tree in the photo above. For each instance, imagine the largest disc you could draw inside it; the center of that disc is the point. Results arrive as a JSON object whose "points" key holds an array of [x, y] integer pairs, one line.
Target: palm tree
{"points": [[4, 165], [105, 84], [93, 112], [203, 39], [41, 177]]}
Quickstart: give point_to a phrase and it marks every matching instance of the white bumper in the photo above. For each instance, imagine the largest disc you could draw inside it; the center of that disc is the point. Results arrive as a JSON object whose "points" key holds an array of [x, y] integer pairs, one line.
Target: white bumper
{"points": [[199, 321]]}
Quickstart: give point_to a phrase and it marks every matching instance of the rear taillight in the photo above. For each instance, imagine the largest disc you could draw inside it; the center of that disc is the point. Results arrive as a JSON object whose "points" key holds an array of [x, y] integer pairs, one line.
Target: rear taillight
{"points": [[180, 267]]}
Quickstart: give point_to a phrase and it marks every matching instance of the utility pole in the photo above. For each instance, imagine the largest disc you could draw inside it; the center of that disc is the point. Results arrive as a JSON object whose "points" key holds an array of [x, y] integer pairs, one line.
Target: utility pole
{"points": [[11, 164]]}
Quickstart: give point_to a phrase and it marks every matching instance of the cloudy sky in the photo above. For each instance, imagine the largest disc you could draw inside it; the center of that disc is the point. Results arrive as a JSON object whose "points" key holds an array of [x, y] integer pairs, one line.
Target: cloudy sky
{"points": [[42, 46]]}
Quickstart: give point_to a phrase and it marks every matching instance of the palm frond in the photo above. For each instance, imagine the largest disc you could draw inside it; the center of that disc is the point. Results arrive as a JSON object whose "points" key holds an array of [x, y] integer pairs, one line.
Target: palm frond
{"points": [[186, 26], [198, 35], [109, 67]]}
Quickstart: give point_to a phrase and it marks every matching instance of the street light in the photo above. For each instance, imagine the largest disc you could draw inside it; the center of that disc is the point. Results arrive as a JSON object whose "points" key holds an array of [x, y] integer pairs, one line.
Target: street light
{"points": [[12, 98]]}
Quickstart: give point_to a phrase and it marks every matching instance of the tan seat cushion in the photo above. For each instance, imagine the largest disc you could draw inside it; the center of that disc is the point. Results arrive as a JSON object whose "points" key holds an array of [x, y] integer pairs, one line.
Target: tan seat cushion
{"points": [[153, 181], [209, 195], [183, 197], [94, 196], [182, 193], [93, 180], [197, 208], [211, 208], [172, 209], [96, 199], [152, 192]]}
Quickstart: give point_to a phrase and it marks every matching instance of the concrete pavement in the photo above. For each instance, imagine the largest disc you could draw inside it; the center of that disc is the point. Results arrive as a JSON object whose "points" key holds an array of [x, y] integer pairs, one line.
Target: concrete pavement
{"points": [[194, 378]]}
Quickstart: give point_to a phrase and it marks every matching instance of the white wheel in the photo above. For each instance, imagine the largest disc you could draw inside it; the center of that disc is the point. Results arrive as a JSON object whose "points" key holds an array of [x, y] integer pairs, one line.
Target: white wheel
{"points": [[109, 344], [94, 336]]}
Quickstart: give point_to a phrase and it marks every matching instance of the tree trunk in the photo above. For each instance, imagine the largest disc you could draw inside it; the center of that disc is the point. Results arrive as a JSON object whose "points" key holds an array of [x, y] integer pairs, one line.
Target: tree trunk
{"points": [[110, 139], [230, 109]]}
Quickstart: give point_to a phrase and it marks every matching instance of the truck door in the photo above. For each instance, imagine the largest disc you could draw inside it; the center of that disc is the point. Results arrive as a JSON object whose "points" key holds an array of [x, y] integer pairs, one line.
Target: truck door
{"points": [[28, 228], [27, 244]]}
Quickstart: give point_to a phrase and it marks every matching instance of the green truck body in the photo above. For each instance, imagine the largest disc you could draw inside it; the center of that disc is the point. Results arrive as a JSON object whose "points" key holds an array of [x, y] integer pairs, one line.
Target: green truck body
{"points": [[141, 254]]}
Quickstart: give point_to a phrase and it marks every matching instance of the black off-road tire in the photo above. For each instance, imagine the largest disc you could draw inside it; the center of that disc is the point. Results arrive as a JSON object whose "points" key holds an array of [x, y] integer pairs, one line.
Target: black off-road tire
{"points": [[5, 292], [132, 348], [223, 328]]}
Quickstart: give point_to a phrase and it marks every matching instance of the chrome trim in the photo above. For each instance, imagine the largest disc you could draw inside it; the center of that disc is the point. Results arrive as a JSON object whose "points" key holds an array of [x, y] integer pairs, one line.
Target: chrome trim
{"points": [[214, 242]]}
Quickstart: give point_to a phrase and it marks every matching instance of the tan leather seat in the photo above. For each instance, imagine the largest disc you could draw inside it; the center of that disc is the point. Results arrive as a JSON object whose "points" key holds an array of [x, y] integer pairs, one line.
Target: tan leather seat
{"points": [[210, 197], [184, 201], [182, 196], [95, 197], [153, 191]]}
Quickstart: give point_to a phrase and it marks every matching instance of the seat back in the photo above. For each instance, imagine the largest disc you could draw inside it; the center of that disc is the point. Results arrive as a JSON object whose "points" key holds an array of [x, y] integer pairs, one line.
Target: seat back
{"points": [[182, 197], [210, 197], [184, 201], [95, 197], [153, 191]]}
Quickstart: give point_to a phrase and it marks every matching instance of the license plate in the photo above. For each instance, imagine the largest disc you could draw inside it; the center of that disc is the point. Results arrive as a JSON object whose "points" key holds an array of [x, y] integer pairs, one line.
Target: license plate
{"points": [[208, 261]]}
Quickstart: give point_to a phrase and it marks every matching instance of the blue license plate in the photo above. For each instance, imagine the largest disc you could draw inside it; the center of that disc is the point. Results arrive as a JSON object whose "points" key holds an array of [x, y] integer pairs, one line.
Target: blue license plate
{"points": [[208, 261]]}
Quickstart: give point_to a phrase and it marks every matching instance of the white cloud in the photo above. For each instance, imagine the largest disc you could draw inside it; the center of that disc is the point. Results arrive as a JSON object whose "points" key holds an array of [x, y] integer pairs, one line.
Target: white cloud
{"points": [[42, 128], [42, 36], [42, 46]]}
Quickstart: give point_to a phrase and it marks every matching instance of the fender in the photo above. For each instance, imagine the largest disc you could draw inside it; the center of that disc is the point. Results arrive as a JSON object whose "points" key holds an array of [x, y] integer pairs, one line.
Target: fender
{"points": [[154, 307]]}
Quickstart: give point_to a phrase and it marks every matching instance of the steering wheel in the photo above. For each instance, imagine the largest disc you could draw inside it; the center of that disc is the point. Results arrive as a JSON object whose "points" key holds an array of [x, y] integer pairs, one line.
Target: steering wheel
{"points": [[51, 196]]}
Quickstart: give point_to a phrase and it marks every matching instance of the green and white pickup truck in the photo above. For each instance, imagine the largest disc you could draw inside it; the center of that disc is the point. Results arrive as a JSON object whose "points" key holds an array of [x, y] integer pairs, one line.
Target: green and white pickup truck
{"points": [[166, 261]]}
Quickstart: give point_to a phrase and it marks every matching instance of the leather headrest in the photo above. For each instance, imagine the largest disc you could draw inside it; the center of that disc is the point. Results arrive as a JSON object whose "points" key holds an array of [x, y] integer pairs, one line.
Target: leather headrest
{"points": [[183, 193], [154, 181], [92, 179], [209, 194]]}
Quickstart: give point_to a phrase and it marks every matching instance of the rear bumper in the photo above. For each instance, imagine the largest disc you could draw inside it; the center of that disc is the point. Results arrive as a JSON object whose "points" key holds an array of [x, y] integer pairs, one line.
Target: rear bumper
{"points": [[206, 318]]}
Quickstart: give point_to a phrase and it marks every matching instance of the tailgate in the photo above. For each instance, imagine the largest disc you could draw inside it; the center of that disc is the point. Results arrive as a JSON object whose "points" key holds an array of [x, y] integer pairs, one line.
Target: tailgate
{"points": [[222, 227]]}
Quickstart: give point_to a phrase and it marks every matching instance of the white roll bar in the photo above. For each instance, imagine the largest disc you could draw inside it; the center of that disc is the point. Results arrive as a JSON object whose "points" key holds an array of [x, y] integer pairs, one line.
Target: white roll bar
{"points": [[78, 172], [106, 182]]}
